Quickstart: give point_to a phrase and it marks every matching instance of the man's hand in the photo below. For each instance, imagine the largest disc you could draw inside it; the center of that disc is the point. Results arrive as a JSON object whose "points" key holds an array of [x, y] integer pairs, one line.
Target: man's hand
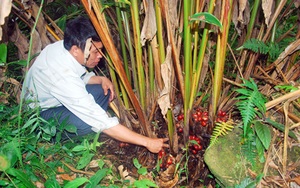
{"points": [[154, 145], [107, 85], [124, 134]]}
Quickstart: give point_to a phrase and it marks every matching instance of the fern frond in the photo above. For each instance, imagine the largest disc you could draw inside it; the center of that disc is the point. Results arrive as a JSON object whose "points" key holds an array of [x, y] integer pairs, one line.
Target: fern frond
{"points": [[256, 46], [220, 129], [251, 103], [249, 149]]}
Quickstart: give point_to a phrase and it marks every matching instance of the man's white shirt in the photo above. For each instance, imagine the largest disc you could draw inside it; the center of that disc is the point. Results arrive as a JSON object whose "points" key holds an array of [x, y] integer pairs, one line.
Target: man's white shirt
{"points": [[56, 79]]}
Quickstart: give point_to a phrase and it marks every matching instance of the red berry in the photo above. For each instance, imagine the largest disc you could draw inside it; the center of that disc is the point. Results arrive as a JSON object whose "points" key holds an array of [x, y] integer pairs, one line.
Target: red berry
{"points": [[122, 144], [195, 116], [197, 139], [196, 147], [203, 123], [223, 113], [161, 154], [180, 117], [180, 130], [205, 118], [199, 114], [205, 113], [194, 152], [169, 160]]}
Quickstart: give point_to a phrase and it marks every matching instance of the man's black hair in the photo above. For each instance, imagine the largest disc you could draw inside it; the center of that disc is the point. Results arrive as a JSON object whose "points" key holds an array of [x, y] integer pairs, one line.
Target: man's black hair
{"points": [[78, 31]]}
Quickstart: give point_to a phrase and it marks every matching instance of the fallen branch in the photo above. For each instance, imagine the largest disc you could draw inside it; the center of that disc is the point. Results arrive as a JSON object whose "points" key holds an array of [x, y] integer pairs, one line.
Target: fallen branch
{"points": [[76, 170]]}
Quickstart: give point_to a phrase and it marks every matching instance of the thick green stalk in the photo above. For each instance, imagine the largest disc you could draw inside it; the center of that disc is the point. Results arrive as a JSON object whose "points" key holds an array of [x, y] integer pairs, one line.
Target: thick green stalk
{"points": [[122, 41], [151, 69], [198, 67], [221, 53], [187, 63], [159, 34], [130, 48], [138, 52], [124, 55], [252, 19]]}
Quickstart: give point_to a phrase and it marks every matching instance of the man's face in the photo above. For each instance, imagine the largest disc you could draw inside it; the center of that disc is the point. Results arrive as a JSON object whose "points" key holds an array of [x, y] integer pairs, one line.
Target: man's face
{"points": [[95, 55]]}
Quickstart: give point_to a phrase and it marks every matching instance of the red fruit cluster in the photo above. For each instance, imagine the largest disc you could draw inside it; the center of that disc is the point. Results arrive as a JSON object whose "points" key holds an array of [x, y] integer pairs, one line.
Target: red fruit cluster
{"points": [[180, 117], [179, 128], [195, 148], [166, 161], [123, 144], [221, 116], [201, 117]]}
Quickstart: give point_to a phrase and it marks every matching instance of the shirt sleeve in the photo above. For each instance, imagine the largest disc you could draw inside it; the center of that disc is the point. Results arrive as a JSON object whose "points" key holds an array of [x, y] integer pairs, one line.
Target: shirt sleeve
{"points": [[87, 77], [71, 92]]}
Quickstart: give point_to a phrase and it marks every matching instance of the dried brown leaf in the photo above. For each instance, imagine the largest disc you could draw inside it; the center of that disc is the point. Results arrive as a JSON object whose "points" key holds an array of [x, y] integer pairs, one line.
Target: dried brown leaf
{"points": [[296, 179], [240, 15], [149, 27], [67, 177], [167, 178], [268, 9], [164, 98], [5, 9]]}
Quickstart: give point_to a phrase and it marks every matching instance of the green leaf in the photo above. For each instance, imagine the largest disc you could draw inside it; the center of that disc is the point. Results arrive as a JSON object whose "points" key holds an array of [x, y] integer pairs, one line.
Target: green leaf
{"points": [[12, 151], [70, 128], [142, 171], [52, 183], [79, 148], [206, 17], [21, 176], [260, 150], [95, 179], [3, 183], [263, 133], [3, 53], [19, 62], [4, 162], [144, 183], [76, 183], [136, 163], [84, 160]]}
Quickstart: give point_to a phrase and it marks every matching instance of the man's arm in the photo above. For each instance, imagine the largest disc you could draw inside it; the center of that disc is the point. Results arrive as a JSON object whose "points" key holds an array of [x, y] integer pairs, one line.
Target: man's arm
{"points": [[124, 134], [106, 85]]}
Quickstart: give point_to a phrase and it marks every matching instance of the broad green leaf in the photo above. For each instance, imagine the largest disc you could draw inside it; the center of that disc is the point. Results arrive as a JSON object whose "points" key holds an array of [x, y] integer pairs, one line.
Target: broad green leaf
{"points": [[95, 179], [3, 53], [3, 183], [21, 176], [142, 171], [136, 163], [19, 62], [4, 162], [263, 133], [12, 151], [84, 160], [260, 150], [52, 183], [61, 23], [76, 183], [206, 17], [70, 128], [79, 148], [144, 183]]}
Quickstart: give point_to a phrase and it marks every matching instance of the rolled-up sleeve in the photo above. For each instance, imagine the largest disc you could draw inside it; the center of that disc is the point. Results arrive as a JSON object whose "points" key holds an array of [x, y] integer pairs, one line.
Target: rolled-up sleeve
{"points": [[72, 94], [86, 77]]}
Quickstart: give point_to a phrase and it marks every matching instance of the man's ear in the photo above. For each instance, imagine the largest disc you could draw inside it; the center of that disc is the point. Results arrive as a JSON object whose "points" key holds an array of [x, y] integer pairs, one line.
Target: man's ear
{"points": [[75, 50]]}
